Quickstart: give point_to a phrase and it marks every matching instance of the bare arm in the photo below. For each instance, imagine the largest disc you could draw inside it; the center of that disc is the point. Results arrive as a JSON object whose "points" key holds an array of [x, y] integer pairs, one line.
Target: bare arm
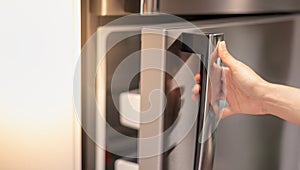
{"points": [[282, 101]]}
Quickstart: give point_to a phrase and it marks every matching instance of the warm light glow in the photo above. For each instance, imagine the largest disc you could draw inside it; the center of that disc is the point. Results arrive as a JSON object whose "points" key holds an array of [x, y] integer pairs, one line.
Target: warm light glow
{"points": [[39, 46]]}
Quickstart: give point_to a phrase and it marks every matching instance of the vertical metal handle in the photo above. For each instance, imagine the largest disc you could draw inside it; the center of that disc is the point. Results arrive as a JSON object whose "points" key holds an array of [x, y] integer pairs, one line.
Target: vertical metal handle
{"points": [[205, 149]]}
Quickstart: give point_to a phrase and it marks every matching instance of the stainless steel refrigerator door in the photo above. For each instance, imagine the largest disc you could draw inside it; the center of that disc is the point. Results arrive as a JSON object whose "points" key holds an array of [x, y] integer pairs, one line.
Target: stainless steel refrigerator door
{"points": [[246, 142], [159, 70], [267, 45], [157, 79], [270, 46]]}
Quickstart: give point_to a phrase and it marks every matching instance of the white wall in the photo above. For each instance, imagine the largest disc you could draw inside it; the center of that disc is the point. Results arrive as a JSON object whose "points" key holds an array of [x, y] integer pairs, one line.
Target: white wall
{"points": [[39, 45]]}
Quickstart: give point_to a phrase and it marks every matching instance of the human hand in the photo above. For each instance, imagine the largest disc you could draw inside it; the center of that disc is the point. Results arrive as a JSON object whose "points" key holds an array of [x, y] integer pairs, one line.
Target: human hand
{"points": [[243, 88]]}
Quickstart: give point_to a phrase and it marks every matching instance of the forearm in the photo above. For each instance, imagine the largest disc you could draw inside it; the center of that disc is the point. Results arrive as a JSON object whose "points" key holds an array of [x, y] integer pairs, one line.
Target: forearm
{"points": [[282, 101]]}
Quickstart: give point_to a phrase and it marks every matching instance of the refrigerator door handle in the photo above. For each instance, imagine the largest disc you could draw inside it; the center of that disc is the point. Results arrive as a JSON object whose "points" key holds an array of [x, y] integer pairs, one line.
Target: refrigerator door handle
{"points": [[205, 144]]}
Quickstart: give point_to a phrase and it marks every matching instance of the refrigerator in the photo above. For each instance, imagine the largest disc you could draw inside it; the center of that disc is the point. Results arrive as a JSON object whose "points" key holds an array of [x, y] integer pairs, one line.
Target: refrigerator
{"points": [[264, 35]]}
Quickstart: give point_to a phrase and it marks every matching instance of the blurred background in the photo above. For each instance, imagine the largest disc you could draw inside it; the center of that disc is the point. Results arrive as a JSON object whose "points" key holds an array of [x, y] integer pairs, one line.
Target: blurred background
{"points": [[39, 47]]}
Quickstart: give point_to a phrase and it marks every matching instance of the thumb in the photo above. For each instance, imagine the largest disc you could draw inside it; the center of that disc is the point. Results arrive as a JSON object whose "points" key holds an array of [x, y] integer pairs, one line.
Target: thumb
{"points": [[225, 56]]}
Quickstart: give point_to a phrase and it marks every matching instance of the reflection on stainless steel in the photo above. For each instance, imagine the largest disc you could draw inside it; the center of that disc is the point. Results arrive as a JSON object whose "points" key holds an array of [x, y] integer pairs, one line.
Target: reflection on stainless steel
{"points": [[149, 6], [182, 151], [107, 7]]}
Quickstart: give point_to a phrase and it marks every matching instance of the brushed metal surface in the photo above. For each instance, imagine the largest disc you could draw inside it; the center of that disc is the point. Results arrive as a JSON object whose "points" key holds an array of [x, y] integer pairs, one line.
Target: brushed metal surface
{"points": [[194, 7], [227, 6], [107, 7], [155, 127], [149, 6], [254, 142]]}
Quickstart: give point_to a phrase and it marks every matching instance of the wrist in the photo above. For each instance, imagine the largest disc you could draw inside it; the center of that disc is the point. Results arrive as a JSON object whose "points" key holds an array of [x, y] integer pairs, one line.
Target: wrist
{"points": [[266, 96]]}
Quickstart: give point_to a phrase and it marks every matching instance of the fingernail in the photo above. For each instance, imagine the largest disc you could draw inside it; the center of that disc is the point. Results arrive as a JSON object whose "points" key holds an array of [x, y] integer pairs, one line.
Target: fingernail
{"points": [[222, 45]]}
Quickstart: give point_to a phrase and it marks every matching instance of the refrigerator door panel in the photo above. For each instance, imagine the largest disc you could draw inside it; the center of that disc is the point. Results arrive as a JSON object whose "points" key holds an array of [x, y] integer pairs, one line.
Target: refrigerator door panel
{"points": [[178, 60], [181, 54], [267, 46]]}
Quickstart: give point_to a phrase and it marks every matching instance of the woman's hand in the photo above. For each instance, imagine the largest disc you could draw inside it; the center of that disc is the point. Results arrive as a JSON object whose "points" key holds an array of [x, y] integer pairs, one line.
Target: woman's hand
{"points": [[243, 88]]}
